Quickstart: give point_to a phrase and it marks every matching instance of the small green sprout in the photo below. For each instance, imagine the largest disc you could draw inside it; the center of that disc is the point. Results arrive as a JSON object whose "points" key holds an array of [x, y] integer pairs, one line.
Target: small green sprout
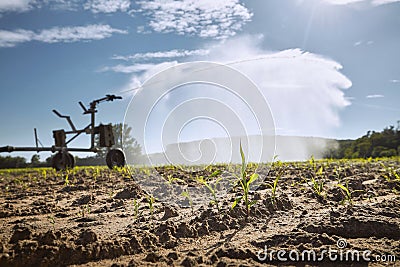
{"points": [[186, 195], [347, 193], [273, 187], [66, 180], [212, 188], [172, 179], [52, 220], [245, 185], [150, 201], [44, 174], [318, 185], [136, 207]]}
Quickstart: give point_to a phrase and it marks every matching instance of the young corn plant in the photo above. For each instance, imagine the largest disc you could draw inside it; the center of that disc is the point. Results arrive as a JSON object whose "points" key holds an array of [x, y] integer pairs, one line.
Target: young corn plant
{"points": [[317, 185], [390, 173], [66, 180], [212, 188], [44, 174], [338, 173], [136, 207], [186, 195], [171, 179], [274, 187], [245, 185], [151, 200], [52, 220], [347, 193], [312, 164]]}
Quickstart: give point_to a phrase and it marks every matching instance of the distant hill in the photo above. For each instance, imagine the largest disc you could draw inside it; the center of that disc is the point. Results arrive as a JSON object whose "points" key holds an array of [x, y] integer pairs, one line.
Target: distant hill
{"points": [[257, 149]]}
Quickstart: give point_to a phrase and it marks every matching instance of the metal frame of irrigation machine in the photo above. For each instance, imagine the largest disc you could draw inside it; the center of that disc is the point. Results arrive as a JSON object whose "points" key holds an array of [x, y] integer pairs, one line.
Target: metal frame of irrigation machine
{"points": [[63, 159]]}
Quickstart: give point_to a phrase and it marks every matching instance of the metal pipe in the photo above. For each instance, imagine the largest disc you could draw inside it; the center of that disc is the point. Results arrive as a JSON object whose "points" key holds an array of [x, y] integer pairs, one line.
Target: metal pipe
{"points": [[36, 139], [40, 149], [92, 129]]}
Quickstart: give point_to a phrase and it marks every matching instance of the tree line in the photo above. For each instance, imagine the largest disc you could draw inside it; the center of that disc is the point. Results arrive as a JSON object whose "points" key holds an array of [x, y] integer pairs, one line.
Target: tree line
{"points": [[374, 144]]}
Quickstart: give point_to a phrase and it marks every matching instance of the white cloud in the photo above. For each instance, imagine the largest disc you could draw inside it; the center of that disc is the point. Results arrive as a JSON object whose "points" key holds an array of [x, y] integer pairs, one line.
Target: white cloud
{"points": [[207, 18], [58, 34], [375, 96], [107, 6], [80, 33], [175, 53], [146, 71], [382, 2], [71, 5], [15, 5], [358, 43], [12, 38], [395, 81], [342, 2], [136, 68], [372, 2]]}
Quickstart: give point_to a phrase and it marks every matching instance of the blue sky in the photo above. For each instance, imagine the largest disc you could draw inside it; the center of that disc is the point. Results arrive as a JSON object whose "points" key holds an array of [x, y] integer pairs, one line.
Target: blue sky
{"points": [[328, 68]]}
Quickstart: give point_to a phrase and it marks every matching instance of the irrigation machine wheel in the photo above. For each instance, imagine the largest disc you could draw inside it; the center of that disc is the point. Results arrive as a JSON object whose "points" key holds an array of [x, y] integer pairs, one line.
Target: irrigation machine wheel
{"points": [[62, 161], [115, 157]]}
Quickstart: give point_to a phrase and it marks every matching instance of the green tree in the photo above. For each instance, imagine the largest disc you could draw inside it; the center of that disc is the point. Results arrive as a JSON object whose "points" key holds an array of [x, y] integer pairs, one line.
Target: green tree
{"points": [[374, 144], [35, 160], [12, 162]]}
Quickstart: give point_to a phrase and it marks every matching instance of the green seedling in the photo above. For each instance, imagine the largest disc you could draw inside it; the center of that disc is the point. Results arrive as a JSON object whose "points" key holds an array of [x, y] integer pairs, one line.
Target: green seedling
{"points": [[146, 171], [212, 188], [318, 185], [136, 207], [279, 166], [216, 173], [245, 184], [273, 187], [186, 195], [312, 164], [66, 180], [347, 193], [52, 220], [96, 173], [150, 201], [44, 174], [391, 173], [338, 172], [172, 179]]}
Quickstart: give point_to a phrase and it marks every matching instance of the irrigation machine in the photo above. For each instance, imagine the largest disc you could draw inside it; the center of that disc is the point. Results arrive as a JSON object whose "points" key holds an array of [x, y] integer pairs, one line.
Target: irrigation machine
{"points": [[63, 159]]}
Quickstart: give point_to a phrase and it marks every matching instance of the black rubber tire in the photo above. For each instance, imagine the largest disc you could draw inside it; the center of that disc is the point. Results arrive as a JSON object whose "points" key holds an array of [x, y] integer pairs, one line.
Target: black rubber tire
{"points": [[115, 158], [62, 163]]}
